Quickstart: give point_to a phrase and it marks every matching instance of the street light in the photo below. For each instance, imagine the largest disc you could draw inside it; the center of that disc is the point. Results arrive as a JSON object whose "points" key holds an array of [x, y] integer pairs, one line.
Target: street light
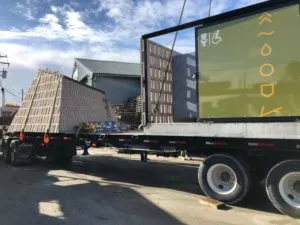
{"points": [[3, 73]]}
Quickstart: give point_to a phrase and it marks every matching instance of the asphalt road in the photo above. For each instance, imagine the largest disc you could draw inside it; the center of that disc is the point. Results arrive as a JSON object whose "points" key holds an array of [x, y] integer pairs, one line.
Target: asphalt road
{"points": [[106, 188]]}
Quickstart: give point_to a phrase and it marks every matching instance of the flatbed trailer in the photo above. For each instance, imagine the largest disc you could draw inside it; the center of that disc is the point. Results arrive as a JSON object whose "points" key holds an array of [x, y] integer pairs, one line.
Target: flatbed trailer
{"points": [[238, 151], [240, 147], [238, 161]]}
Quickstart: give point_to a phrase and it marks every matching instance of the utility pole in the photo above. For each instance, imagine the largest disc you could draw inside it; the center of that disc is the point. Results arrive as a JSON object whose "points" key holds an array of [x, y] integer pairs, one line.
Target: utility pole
{"points": [[3, 96], [209, 8], [3, 75], [4, 72], [22, 94]]}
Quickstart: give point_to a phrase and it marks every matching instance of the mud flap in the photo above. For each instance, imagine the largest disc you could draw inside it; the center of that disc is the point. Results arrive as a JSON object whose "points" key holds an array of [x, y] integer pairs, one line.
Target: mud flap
{"points": [[25, 152]]}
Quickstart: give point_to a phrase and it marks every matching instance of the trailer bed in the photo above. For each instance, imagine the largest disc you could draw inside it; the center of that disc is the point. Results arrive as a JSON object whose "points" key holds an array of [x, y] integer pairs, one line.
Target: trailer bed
{"points": [[272, 130]]}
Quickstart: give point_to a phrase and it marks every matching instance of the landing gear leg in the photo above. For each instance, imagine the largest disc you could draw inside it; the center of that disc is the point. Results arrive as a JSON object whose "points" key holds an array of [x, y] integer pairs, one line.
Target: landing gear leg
{"points": [[85, 150], [144, 157]]}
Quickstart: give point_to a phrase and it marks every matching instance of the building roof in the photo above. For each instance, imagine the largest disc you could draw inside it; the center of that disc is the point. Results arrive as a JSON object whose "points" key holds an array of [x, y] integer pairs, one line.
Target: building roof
{"points": [[111, 67], [9, 108]]}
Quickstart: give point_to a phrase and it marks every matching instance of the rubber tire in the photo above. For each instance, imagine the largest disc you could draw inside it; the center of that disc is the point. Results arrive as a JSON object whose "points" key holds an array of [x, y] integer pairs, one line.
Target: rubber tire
{"points": [[14, 156], [241, 169], [272, 186], [6, 153]]}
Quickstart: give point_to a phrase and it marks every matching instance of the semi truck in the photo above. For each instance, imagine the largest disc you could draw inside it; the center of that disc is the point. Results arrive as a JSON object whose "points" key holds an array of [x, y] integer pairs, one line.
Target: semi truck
{"points": [[245, 120]]}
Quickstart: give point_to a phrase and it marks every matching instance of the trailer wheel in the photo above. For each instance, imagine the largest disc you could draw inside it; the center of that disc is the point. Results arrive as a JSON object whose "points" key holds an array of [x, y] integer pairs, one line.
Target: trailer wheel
{"points": [[225, 178], [14, 154], [6, 153], [283, 187]]}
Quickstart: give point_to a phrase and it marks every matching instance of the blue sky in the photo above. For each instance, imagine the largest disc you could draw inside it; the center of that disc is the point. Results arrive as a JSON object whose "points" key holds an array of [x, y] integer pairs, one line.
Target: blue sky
{"points": [[51, 33]]}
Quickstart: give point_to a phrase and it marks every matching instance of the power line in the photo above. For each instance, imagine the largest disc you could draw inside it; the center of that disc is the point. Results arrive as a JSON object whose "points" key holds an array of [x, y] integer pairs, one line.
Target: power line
{"points": [[11, 93], [15, 91], [169, 60], [209, 9]]}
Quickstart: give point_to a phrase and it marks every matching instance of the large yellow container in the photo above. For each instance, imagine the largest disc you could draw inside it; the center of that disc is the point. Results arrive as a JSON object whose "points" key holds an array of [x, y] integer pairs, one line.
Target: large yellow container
{"points": [[250, 67]]}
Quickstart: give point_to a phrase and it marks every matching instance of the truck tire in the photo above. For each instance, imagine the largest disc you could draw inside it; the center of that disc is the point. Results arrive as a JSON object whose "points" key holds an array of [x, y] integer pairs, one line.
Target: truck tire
{"points": [[6, 153], [14, 154], [283, 187], [225, 178]]}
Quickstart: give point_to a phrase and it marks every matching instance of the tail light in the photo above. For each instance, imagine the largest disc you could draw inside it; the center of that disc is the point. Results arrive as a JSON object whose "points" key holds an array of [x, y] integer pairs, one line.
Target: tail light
{"points": [[22, 136], [46, 138]]}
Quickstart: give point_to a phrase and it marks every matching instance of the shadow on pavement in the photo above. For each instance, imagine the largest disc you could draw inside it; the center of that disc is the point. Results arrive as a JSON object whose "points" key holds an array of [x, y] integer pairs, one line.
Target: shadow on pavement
{"points": [[33, 195], [161, 174]]}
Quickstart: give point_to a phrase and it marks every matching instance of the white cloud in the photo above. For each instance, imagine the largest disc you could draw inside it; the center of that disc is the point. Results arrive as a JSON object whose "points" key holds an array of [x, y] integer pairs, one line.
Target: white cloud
{"points": [[126, 21], [24, 10], [218, 7], [53, 8], [63, 24], [150, 15], [27, 8], [77, 29], [30, 58], [51, 27], [26, 60], [131, 19], [51, 23]]}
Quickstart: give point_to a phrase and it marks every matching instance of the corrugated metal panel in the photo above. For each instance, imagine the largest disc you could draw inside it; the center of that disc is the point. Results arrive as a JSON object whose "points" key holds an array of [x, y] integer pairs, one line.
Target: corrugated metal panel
{"points": [[56, 104], [111, 67]]}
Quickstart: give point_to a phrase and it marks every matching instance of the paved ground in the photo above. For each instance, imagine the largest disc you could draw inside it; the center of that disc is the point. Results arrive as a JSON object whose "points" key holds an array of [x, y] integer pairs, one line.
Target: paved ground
{"points": [[106, 188]]}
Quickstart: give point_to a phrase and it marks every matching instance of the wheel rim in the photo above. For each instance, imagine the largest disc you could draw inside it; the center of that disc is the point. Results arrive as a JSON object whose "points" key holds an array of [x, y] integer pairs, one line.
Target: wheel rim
{"points": [[222, 179], [289, 189]]}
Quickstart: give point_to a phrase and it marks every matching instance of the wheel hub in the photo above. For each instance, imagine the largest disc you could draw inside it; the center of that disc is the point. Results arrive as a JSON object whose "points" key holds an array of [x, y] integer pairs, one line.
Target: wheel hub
{"points": [[222, 179], [289, 189], [225, 176], [297, 186]]}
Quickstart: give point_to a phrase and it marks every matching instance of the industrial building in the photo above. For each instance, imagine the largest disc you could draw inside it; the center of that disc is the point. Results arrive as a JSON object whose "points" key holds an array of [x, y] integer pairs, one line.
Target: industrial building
{"points": [[121, 83], [119, 80]]}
